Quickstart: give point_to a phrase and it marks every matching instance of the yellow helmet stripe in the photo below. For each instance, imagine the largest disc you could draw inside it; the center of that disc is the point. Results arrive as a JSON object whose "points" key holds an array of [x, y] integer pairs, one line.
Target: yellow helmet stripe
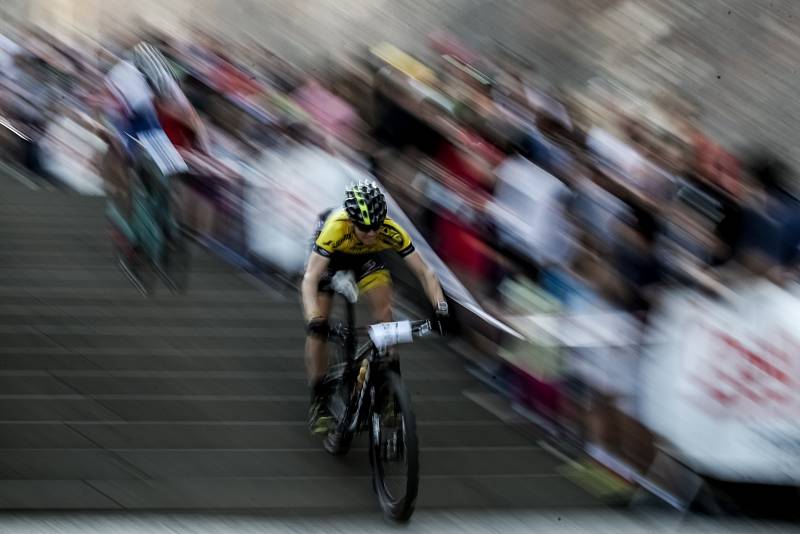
{"points": [[362, 205]]}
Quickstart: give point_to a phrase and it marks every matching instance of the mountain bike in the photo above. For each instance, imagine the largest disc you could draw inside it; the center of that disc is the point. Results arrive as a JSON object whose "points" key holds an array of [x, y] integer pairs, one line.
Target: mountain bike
{"points": [[368, 395], [149, 243]]}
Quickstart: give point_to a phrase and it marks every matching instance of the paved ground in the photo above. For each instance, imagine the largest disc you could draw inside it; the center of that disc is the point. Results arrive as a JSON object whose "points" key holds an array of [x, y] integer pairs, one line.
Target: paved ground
{"points": [[432, 522], [112, 401]]}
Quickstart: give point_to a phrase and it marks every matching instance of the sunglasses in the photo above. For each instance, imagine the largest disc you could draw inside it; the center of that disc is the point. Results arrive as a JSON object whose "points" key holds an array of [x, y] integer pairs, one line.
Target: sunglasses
{"points": [[368, 228]]}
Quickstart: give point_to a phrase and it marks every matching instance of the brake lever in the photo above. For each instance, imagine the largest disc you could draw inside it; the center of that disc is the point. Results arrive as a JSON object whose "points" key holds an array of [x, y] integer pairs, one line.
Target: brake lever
{"points": [[440, 327], [425, 329]]}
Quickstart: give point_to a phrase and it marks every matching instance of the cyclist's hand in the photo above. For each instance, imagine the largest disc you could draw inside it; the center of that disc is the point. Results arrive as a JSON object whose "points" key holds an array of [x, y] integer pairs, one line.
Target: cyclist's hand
{"points": [[442, 317]]}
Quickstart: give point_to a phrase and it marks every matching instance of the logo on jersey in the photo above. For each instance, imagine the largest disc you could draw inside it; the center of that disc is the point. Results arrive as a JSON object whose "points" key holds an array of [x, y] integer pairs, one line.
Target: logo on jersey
{"points": [[391, 236], [337, 243]]}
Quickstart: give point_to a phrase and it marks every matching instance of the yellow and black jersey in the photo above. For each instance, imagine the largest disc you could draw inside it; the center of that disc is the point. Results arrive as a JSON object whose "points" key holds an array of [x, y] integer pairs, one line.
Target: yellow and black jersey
{"points": [[337, 236]]}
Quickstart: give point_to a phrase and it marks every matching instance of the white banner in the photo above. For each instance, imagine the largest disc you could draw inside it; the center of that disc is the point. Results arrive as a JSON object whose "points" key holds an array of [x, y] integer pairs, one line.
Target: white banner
{"points": [[722, 388], [286, 191]]}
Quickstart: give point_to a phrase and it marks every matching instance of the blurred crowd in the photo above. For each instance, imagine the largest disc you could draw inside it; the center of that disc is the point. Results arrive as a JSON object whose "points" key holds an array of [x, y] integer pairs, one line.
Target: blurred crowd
{"points": [[587, 204], [541, 199]]}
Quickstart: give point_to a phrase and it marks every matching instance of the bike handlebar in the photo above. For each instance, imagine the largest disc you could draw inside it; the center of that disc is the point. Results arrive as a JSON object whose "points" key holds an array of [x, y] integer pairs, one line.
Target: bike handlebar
{"points": [[385, 335]]}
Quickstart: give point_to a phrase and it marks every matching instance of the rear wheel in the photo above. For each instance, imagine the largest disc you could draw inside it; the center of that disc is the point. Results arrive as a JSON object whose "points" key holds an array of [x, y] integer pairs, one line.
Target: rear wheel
{"points": [[394, 449]]}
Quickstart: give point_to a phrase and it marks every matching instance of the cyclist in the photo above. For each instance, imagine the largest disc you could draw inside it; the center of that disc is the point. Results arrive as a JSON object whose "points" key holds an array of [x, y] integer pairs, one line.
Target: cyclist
{"points": [[350, 239], [143, 92]]}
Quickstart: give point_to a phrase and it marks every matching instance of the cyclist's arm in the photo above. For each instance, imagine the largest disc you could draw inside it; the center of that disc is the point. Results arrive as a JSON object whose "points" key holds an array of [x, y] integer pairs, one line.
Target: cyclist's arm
{"points": [[426, 276], [314, 271]]}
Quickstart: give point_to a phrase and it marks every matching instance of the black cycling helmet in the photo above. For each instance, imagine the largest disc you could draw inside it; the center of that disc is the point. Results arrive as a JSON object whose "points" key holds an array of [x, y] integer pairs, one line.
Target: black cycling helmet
{"points": [[365, 204]]}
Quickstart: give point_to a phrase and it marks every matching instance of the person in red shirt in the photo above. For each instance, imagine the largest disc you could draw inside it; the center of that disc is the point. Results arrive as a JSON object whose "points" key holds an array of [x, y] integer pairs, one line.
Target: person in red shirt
{"points": [[468, 162]]}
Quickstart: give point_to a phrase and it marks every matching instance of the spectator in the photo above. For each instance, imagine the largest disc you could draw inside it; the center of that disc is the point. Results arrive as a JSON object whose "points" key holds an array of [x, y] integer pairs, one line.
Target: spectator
{"points": [[771, 213], [635, 257], [597, 208], [459, 231]]}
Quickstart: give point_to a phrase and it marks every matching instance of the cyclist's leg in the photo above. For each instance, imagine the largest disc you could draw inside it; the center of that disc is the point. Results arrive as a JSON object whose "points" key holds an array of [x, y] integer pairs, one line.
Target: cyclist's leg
{"points": [[115, 171], [377, 289], [375, 283], [116, 180], [116, 162], [316, 343], [179, 202], [316, 356], [376, 286]]}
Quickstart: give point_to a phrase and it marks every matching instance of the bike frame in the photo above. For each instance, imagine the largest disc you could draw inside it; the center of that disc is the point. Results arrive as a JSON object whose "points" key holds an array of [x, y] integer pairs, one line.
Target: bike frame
{"points": [[367, 380], [355, 409], [358, 410]]}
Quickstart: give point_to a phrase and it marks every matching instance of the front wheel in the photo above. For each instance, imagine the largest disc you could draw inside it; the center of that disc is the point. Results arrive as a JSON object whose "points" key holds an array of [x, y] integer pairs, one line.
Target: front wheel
{"points": [[131, 260], [394, 449]]}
